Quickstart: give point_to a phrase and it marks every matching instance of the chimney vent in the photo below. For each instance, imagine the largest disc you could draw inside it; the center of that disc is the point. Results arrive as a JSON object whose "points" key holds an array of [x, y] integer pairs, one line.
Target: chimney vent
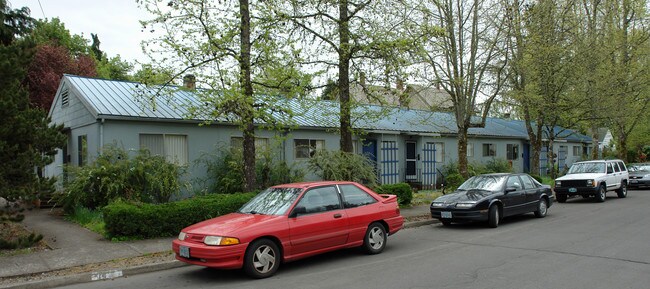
{"points": [[189, 81]]}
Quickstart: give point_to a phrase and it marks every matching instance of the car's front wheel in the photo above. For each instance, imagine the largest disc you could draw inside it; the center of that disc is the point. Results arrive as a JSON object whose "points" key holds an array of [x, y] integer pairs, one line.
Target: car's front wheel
{"points": [[375, 240], [601, 195], [542, 208], [622, 191], [262, 259], [493, 216]]}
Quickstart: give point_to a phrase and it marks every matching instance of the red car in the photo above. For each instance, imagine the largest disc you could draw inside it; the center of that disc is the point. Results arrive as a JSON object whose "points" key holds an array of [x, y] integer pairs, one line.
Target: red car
{"points": [[290, 222]]}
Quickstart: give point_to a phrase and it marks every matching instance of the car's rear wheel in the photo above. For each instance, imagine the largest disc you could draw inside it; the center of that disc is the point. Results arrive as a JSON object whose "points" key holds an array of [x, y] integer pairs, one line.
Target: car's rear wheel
{"points": [[561, 198], [542, 208], [375, 240], [445, 222], [601, 195], [493, 216], [262, 259], [622, 192]]}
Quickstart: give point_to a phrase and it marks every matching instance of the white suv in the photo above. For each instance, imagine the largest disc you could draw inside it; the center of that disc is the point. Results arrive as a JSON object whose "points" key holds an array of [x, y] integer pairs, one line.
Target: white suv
{"points": [[593, 178]]}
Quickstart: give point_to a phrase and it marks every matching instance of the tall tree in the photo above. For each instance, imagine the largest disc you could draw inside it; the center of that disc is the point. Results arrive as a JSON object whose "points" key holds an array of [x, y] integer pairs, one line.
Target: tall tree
{"points": [[232, 48], [468, 60], [26, 139], [349, 38]]}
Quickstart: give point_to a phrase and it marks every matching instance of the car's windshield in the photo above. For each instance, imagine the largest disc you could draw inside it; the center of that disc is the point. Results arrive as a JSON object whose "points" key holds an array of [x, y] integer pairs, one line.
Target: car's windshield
{"points": [[272, 201], [488, 183], [581, 168], [640, 167]]}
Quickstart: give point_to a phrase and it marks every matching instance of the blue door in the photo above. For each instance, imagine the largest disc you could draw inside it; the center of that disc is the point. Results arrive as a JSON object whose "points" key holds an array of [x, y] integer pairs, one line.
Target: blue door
{"points": [[370, 151]]}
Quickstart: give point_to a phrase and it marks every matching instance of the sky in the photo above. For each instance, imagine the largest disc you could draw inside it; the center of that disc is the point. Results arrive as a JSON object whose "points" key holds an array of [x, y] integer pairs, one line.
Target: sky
{"points": [[114, 21]]}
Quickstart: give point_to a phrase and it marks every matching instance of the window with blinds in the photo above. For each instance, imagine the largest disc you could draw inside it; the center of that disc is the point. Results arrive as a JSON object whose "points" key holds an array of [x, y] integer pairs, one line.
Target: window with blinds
{"points": [[172, 146]]}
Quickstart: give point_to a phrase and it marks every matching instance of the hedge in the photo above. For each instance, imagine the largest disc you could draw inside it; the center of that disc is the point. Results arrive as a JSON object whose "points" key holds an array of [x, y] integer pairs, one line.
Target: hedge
{"points": [[141, 220], [402, 190]]}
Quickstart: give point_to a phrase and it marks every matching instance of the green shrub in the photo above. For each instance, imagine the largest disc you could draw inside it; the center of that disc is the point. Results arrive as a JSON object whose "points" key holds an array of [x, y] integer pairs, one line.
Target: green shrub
{"points": [[343, 166], [453, 181], [225, 170], [124, 219], [145, 178], [497, 165], [402, 190], [537, 178]]}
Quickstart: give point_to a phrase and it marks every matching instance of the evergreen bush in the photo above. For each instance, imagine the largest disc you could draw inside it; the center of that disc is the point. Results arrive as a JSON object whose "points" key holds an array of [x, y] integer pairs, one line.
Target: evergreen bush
{"points": [[142, 221], [402, 190], [343, 166]]}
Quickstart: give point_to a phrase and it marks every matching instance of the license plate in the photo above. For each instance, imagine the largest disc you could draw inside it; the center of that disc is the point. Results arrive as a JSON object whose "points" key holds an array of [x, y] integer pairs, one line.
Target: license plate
{"points": [[572, 190], [445, 215], [184, 251], [634, 181]]}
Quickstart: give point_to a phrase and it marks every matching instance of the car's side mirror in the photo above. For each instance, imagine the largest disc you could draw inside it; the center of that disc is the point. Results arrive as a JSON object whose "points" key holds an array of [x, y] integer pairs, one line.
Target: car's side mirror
{"points": [[297, 211], [510, 189]]}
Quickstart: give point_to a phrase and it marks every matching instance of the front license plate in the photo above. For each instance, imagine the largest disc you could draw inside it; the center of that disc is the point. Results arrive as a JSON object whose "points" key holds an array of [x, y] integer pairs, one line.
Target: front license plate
{"points": [[445, 215], [572, 190], [184, 251], [634, 181]]}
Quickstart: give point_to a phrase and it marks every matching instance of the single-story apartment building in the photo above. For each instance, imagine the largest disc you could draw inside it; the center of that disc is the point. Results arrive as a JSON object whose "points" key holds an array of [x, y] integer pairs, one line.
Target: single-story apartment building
{"points": [[406, 144]]}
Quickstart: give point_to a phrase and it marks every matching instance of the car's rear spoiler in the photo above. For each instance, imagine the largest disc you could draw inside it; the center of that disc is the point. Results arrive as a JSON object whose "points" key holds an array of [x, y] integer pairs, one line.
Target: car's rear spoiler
{"points": [[388, 198]]}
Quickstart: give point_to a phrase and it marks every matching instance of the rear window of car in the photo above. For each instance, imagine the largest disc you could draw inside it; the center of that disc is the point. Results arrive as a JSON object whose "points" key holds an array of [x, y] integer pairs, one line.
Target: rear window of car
{"points": [[528, 182], [622, 165], [354, 197]]}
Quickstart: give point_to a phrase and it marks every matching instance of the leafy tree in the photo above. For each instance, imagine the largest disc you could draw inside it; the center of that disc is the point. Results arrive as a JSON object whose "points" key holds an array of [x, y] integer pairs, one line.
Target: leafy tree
{"points": [[27, 141], [347, 38], [54, 32], [149, 74], [233, 49], [114, 68], [468, 60], [49, 64]]}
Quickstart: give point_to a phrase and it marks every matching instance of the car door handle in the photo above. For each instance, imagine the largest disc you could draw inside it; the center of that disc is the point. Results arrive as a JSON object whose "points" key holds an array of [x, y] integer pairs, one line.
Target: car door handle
{"points": [[336, 216]]}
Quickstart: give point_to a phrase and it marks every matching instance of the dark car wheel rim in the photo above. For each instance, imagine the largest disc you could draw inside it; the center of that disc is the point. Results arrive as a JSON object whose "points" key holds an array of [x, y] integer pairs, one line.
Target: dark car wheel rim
{"points": [[376, 238], [264, 259]]}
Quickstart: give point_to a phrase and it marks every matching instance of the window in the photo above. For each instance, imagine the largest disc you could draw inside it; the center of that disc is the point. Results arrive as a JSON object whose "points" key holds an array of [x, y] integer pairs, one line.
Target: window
{"points": [[354, 197], [261, 144], [172, 146], [470, 150], [82, 150], [440, 152], [616, 168], [489, 150], [514, 182], [577, 151], [610, 170], [512, 151], [306, 148], [622, 165], [528, 182], [321, 199]]}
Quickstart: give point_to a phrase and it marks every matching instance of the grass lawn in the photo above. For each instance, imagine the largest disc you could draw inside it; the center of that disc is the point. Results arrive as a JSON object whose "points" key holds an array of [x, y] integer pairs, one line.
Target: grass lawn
{"points": [[424, 197], [89, 219]]}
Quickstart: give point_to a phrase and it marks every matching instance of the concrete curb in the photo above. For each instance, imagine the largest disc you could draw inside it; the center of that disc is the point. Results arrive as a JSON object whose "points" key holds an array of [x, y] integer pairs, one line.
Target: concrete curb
{"points": [[119, 273], [416, 224], [95, 276]]}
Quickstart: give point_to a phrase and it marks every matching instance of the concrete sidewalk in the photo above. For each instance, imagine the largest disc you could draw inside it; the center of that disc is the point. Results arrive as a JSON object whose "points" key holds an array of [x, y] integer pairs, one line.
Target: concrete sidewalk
{"points": [[72, 245]]}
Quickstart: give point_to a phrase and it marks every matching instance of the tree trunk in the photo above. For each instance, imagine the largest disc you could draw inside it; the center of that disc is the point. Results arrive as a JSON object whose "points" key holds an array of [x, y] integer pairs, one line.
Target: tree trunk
{"points": [[344, 77], [245, 81], [551, 155], [462, 152], [622, 146], [595, 136]]}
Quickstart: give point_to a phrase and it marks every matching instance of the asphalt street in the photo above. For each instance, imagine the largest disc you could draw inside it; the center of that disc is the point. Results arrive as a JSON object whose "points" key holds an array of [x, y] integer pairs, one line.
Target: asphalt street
{"points": [[580, 244]]}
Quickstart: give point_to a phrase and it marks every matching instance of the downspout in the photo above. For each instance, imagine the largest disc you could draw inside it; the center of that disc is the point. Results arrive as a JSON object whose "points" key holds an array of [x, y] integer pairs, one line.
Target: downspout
{"points": [[101, 136]]}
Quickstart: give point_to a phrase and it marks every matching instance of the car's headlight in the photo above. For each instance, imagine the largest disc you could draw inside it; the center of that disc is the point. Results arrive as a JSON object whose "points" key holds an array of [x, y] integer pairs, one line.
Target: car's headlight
{"points": [[182, 236], [646, 176], [465, 205], [220, 241], [558, 183], [590, 183], [437, 204]]}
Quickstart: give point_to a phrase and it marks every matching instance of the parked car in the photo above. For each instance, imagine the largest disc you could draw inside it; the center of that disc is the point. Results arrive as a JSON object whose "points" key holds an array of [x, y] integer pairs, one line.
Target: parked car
{"points": [[593, 178], [639, 175], [491, 197], [289, 222]]}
